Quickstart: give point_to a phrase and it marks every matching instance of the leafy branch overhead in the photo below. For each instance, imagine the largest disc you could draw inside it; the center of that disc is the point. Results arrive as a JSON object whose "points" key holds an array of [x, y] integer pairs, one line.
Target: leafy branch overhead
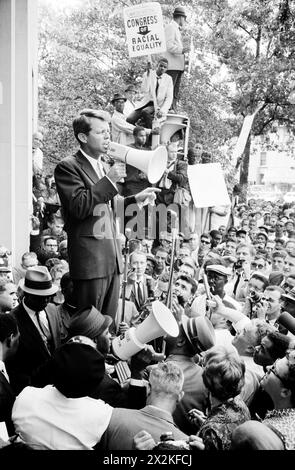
{"points": [[244, 56]]}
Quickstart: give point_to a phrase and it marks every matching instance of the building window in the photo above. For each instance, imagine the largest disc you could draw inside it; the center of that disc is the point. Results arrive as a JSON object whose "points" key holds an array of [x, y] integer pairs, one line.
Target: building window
{"points": [[263, 158]]}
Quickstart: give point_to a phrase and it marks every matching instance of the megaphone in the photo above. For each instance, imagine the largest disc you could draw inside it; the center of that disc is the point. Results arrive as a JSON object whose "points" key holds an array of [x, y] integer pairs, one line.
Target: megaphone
{"points": [[160, 322], [151, 162], [173, 123]]}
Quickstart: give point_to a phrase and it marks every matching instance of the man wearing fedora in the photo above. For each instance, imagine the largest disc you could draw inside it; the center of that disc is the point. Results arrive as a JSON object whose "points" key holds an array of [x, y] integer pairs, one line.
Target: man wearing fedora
{"points": [[87, 191], [175, 50], [195, 336], [38, 324]]}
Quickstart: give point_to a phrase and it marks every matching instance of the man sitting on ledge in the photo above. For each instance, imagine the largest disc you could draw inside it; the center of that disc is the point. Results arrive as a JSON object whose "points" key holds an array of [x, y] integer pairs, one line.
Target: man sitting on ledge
{"points": [[157, 88]]}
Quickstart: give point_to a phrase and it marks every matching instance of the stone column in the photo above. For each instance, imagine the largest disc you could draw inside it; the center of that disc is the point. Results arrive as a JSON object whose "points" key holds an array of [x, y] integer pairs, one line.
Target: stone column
{"points": [[18, 52]]}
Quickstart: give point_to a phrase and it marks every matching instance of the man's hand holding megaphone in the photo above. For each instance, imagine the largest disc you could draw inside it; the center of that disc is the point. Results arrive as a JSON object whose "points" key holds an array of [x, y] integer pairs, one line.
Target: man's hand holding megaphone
{"points": [[147, 196]]}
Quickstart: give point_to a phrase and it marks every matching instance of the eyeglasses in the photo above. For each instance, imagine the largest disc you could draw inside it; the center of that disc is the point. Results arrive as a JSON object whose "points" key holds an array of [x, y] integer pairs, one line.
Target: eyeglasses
{"points": [[206, 242], [273, 370], [257, 266]]}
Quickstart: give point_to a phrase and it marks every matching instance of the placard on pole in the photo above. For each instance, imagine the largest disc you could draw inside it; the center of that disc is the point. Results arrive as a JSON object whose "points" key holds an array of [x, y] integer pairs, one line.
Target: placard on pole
{"points": [[144, 29]]}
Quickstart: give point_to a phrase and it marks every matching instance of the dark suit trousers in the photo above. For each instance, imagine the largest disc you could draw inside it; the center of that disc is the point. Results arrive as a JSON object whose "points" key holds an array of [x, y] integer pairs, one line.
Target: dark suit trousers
{"points": [[103, 293], [146, 114], [176, 78]]}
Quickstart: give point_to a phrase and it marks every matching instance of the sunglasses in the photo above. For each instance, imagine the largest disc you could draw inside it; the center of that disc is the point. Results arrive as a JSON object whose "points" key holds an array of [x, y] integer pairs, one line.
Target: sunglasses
{"points": [[206, 242], [257, 266]]}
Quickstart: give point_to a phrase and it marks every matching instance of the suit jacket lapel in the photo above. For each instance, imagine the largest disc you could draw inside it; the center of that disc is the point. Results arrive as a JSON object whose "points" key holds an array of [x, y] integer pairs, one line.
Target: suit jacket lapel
{"points": [[87, 167], [54, 326], [29, 332]]}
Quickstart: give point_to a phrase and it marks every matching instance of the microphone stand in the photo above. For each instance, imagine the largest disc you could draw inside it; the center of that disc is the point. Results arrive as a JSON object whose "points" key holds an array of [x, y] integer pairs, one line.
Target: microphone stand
{"points": [[169, 291], [124, 282]]}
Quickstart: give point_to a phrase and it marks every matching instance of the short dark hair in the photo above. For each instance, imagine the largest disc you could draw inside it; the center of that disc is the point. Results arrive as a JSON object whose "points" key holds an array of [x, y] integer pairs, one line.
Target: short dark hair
{"points": [[82, 123], [65, 281], [163, 59], [49, 237], [279, 254], [261, 278], [223, 373], [280, 344], [8, 326], [190, 281], [137, 130]]}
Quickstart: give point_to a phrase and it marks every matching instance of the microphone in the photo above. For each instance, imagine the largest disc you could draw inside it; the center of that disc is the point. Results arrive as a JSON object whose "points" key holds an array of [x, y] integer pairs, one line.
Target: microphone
{"points": [[128, 233]]}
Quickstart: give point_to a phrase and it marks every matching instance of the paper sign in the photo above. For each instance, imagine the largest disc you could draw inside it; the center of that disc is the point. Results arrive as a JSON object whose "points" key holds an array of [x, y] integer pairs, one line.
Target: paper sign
{"points": [[144, 29], [207, 185], [244, 134]]}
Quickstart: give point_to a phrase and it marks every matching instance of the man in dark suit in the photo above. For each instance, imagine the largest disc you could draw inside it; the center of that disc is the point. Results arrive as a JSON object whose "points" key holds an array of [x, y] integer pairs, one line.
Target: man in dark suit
{"points": [[38, 324], [9, 340], [87, 189], [140, 286]]}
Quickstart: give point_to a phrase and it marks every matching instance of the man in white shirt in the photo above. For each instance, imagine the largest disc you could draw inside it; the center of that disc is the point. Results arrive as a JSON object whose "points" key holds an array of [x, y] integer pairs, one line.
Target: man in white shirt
{"points": [[64, 416], [157, 88], [130, 93]]}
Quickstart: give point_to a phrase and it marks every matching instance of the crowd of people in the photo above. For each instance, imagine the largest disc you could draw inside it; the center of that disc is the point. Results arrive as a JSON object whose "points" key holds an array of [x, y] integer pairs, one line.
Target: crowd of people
{"points": [[225, 382]]}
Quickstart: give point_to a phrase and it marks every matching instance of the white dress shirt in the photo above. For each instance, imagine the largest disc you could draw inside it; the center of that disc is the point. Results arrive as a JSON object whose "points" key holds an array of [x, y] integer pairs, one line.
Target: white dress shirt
{"points": [[45, 419], [97, 166]]}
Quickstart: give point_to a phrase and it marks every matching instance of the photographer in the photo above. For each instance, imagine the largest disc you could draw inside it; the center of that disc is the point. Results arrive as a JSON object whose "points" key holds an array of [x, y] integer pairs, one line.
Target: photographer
{"points": [[242, 271], [182, 295], [255, 304]]}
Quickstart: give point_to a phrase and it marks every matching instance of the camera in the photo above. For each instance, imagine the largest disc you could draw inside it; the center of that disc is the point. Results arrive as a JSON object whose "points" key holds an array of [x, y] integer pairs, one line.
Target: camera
{"points": [[255, 297], [239, 264]]}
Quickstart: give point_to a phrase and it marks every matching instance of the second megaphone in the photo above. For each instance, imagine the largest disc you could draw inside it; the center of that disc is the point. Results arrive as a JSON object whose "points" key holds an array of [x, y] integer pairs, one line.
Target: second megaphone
{"points": [[151, 162], [160, 322]]}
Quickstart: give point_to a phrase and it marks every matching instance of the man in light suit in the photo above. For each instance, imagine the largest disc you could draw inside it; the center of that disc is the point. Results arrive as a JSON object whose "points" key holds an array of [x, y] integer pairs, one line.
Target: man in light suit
{"points": [[166, 381], [175, 50], [157, 88], [87, 190]]}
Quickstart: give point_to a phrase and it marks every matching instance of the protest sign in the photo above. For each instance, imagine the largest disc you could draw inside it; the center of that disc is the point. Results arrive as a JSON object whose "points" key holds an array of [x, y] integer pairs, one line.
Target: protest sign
{"points": [[207, 185], [144, 29]]}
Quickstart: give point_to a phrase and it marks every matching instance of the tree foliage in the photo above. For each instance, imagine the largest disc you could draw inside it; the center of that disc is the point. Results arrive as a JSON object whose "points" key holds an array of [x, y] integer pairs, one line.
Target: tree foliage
{"points": [[245, 57]]}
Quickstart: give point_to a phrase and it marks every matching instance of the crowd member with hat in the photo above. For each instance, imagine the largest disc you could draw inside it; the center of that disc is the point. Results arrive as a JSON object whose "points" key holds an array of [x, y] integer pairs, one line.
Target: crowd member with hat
{"points": [[157, 89], [130, 95], [65, 415], [38, 324], [122, 131], [176, 50], [195, 336], [218, 276], [89, 323]]}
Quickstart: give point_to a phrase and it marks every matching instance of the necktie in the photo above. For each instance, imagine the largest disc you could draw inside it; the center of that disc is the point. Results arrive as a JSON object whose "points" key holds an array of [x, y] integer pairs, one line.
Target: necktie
{"points": [[237, 283], [3, 370], [140, 297], [157, 86], [42, 325], [100, 171]]}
